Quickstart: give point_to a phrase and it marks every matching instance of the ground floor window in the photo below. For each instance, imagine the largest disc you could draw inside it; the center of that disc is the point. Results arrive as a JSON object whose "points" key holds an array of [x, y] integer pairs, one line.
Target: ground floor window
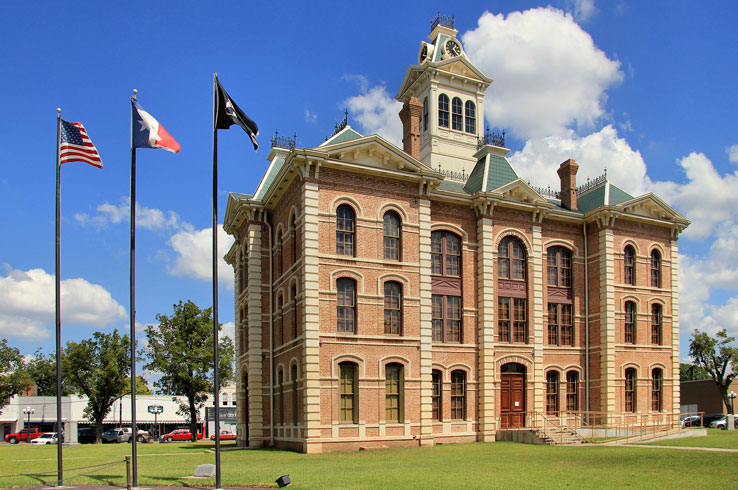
{"points": [[458, 395], [348, 393], [394, 396], [552, 393], [436, 395]]}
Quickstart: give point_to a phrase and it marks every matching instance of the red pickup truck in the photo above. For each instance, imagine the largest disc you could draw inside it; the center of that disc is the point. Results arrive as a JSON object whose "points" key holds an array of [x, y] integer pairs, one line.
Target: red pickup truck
{"points": [[23, 435], [179, 435]]}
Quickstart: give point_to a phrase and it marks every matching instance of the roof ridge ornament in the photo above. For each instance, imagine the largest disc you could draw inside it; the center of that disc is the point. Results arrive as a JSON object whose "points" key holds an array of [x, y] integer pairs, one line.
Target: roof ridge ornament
{"points": [[443, 20]]}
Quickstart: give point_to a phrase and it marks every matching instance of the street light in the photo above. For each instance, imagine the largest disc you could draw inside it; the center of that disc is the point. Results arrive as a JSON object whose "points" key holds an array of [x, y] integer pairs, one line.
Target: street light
{"points": [[732, 396], [730, 421], [28, 411]]}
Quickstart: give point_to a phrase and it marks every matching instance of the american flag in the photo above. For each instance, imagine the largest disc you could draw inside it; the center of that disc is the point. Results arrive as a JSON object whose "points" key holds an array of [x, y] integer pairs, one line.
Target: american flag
{"points": [[76, 146]]}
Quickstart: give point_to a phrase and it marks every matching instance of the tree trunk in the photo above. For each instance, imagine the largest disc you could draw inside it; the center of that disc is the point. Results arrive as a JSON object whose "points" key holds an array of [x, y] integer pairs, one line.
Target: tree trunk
{"points": [[193, 417]]}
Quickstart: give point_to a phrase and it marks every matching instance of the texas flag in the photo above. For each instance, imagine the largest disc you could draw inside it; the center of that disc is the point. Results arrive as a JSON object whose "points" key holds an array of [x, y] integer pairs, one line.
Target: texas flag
{"points": [[148, 133]]}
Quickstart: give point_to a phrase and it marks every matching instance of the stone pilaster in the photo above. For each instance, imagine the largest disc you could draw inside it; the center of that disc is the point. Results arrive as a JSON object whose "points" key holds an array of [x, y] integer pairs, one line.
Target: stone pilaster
{"points": [[608, 376], [486, 329], [676, 388], [311, 357], [535, 323], [426, 324], [258, 372]]}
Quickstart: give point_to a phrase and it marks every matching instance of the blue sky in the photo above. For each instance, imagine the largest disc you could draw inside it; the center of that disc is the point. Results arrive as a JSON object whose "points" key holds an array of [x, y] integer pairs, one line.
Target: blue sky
{"points": [[646, 89]]}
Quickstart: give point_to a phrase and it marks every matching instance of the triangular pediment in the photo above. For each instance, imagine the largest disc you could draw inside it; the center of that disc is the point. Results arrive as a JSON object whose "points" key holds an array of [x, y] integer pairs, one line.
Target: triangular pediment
{"points": [[650, 206], [520, 191], [375, 152], [461, 66]]}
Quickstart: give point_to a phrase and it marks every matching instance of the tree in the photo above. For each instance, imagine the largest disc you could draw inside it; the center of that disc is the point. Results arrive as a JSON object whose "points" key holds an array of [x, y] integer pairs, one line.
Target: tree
{"points": [[99, 368], [142, 386], [690, 372], [181, 349], [41, 371], [717, 358], [12, 378]]}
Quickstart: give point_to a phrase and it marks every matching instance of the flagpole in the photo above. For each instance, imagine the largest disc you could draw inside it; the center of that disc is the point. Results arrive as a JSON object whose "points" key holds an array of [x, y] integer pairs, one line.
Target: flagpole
{"points": [[58, 306], [134, 431], [216, 379]]}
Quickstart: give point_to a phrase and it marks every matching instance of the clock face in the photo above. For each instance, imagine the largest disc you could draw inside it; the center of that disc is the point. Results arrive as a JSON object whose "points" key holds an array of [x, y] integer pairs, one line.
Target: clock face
{"points": [[453, 48], [423, 54]]}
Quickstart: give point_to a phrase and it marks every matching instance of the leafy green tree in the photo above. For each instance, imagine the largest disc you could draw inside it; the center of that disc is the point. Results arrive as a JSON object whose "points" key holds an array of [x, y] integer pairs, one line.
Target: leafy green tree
{"points": [[181, 349], [690, 372], [41, 371], [99, 368], [717, 357], [12, 377], [142, 386]]}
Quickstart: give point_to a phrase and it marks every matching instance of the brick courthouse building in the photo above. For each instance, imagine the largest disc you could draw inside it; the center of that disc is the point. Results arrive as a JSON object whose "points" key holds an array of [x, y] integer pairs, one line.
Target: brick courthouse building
{"points": [[393, 297]]}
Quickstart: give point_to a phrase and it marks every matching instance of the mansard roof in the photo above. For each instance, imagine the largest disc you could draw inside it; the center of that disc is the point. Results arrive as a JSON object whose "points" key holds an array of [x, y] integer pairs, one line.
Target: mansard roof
{"points": [[604, 194], [491, 172]]}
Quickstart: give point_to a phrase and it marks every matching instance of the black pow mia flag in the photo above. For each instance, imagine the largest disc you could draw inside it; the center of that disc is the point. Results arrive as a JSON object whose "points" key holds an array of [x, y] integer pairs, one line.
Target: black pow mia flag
{"points": [[227, 113]]}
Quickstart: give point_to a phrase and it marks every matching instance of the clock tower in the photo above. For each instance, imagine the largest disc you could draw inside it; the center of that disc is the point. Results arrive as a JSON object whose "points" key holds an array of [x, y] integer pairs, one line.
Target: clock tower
{"points": [[443, 102]]}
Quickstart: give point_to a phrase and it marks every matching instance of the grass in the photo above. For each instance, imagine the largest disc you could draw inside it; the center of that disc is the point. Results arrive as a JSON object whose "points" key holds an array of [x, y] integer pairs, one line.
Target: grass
{"points": [[492, 465], [716, 438]]}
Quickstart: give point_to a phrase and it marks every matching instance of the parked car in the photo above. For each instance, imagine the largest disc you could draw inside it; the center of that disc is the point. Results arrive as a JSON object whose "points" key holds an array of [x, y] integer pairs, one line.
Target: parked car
{"points": [[225, 435], [709, 418], [691, 421], [46, 438], [111, 435], [86, 435], [23, 435], [722, 423], [124, 435], [179, 435]]}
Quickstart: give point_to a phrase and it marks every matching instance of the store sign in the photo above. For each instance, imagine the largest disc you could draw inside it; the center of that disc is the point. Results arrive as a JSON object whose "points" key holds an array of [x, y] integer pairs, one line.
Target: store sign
{"points": [[156, 409]]}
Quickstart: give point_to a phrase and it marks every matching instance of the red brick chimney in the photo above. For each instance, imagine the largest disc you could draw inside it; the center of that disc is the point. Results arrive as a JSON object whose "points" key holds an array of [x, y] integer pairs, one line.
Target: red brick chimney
{"points": [[568, 175], [410, 117]]}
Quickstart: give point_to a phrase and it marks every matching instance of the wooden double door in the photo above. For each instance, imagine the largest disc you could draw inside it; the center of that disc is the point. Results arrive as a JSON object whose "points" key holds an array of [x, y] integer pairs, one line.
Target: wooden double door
{"points": [[512, 400]]}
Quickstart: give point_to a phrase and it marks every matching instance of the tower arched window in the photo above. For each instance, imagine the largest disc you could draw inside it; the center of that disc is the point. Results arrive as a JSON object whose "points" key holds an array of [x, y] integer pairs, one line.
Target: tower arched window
{"points": [[470, 117], [512, 302], [345, 226], [425, 114], [630, 323], [391, 228], [631, 381], [656, 324], [456, 115], [443, 111], [657, 387], [392, 308], [655, 269], [346, 305], [552, 393], [629, 265]]}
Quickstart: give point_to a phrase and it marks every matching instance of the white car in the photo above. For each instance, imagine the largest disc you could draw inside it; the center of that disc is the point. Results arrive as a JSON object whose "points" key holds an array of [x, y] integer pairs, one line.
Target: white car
{"points": [[721, 424], [46, 438]]}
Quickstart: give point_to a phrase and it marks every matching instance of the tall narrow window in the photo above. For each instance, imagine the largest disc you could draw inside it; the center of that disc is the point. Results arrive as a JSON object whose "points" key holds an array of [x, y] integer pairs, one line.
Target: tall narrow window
{"points": [[567, 328], [346, 305], [572, 391], [446, 317], [553, 324], [443, 111], [629, 266], [552, 393], [559, 267], [425, 114], [280, 255], [244, 268], [293, 225], [458, 395], [294, 394], [394, 397], [436, 405], [456, 116], [445, 254], [278, 327], [470, 117], [655, 269], [345, 230], [503, 320], [391, 236], [520, 322], [657, 385], [630, 326], [280, 381], [631, 404], [293, 292], [392, 308], [511, 259], [656, 321], [348, 387]]}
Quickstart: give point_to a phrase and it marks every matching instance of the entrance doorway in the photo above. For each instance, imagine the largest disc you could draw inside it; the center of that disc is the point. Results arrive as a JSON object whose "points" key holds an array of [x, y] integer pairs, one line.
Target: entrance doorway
{"points": [[512, 396]]}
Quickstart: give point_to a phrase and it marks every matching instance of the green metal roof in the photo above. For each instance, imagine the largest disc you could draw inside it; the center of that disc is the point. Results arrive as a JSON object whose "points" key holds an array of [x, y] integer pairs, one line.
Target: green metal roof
{"points": [[476, 178], [346, 134], [603, 195], [238, 195], [272, 173], [618, 195], [500, 172], [452, 186]]}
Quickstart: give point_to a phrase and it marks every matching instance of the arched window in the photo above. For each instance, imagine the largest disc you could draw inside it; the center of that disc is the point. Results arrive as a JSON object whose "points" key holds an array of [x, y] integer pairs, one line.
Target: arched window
{"points": [[446, 293], [655, 269], [349, 392], [656, 321], [293, 292], [391, 236], [345, 230], [425, 114], [572, 391], [560, 321], [629, 266], [392, 308], [512, 302], [631, 403], [293, 373], [456, 116], [458, 395], [436, 400], [346, 305], [445, 254], [280, 382], [443, 111], [470, 119], [394, 393], [293, 225], [280, 255], [657, 385], [630, 325], [279, 327], [559, 267], [552, 393]]}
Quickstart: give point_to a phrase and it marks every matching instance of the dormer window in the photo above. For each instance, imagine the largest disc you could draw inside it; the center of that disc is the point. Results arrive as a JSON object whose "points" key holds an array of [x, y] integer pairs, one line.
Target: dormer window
{"points": [[456, 116], [443, 111]]}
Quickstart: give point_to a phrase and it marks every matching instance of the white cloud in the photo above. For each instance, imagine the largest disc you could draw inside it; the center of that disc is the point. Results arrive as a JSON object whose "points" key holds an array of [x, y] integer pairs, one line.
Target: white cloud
{"points": [[149, 218], [194, 259], [732, 153], [549, 75], [229, 330], [310, 117], [27, 304], [377, 112], [583, 10]]}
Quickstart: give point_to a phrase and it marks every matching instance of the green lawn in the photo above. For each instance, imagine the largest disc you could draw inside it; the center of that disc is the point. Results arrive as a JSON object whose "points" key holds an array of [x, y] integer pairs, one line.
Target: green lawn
{"points": [[715, 438], [493, 465]]}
